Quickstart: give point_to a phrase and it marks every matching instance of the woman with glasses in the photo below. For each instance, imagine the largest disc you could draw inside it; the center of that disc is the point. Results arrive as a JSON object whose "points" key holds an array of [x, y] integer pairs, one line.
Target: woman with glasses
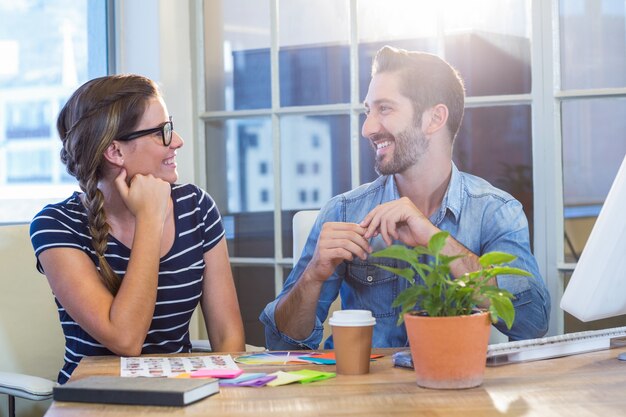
{"points": [[130, 257]]}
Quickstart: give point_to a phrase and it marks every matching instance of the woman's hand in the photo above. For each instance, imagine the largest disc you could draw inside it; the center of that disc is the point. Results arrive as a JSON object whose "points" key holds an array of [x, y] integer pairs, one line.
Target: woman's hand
{"points": [[144, 194]]}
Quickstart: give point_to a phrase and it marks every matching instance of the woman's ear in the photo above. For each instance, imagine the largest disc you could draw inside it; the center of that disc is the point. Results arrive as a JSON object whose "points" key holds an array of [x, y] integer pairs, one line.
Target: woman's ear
{"points": [[437, 120], [114, 154]]}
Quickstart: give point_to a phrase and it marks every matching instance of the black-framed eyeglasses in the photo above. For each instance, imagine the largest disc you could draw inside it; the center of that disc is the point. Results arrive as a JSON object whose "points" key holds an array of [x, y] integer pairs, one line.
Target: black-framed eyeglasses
{"points": [[166, 130]]}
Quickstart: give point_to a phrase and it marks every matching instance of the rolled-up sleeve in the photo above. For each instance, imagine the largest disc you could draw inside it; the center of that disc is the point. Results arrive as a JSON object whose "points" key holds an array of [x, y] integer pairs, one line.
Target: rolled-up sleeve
{"points": [[532, 300], [274, 338]]}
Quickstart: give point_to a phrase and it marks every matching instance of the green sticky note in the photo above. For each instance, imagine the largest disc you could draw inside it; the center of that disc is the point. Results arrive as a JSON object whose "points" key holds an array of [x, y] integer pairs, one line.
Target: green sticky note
{"points": [[284, 378], [312, 376]]}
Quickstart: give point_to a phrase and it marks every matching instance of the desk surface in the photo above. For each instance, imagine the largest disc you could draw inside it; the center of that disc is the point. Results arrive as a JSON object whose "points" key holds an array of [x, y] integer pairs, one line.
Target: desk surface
{"points": [[592, 384]]}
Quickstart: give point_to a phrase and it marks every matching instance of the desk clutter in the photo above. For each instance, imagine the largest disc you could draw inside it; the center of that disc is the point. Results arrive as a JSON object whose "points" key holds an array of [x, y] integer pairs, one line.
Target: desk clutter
{"points": [[226, 370], [178, 381], [275, 379]]}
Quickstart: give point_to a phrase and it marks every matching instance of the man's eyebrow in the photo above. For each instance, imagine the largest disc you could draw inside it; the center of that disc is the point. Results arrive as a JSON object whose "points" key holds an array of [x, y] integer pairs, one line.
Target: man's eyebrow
{"points": [[380, 101]]}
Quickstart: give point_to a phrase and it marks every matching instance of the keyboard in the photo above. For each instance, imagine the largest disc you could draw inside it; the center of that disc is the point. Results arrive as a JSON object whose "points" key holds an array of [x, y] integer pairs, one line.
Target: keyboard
{"points": [[555, 346]]}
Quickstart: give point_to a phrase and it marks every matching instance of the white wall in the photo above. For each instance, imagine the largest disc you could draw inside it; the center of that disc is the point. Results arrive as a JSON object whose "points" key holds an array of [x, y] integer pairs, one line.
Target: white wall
{"points": [[159, 47], [154, 40]]}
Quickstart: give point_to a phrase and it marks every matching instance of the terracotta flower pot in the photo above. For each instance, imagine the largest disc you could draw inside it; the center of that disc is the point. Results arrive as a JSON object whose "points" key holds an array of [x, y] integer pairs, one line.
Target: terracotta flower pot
{"points": [[449, 352]]}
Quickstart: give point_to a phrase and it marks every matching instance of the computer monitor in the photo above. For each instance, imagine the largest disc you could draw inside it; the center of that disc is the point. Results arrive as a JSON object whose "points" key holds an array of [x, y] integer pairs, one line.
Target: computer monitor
{"points": [[597, 288]]}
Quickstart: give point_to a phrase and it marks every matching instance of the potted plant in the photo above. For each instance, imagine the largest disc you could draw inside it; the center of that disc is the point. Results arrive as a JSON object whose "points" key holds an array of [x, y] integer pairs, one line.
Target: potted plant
{"points": [[449, 333]]}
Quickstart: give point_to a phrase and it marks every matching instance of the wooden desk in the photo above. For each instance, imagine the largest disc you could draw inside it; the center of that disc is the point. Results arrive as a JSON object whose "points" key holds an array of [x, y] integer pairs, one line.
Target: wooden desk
{"points": [[592, 384]]}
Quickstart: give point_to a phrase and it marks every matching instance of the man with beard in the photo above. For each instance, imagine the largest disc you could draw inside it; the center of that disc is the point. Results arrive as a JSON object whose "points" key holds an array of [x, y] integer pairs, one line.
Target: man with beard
{"points": [[414, 108]]}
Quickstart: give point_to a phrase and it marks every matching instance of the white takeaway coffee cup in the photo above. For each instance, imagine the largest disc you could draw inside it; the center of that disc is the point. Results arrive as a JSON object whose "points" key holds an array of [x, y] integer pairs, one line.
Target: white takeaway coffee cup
{"points": [[352, 337]]}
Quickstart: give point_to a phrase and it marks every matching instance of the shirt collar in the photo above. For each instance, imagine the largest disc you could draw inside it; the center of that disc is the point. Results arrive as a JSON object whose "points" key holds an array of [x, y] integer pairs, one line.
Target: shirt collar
{"points": [[390, 192], [452, 199]]}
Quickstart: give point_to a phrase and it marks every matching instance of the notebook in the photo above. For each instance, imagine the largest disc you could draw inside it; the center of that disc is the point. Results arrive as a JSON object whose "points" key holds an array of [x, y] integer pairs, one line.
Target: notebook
{"points": [[143, 391]]}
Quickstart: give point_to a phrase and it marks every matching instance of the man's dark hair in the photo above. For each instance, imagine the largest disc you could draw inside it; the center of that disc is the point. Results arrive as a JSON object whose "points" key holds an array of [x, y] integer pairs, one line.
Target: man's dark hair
{"points": [[426, 80]]}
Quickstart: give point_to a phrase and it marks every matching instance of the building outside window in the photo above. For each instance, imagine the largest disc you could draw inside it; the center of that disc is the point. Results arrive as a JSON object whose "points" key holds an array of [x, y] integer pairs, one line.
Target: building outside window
{"points": [[48, 49]]}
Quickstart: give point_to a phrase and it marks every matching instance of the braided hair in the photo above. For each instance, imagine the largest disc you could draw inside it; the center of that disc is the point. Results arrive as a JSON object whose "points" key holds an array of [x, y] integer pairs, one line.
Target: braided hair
{"points": [[99, 111]]}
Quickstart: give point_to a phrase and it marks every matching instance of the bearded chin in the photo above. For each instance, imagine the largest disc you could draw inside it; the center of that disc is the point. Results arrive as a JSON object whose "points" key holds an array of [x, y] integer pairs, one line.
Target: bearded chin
{"points": [[381, 168], [402, 158], [409, 147]]}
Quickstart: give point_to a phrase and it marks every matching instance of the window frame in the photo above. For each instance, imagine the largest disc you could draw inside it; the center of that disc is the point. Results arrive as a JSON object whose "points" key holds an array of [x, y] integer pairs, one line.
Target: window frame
{"points": [[544, 99]]}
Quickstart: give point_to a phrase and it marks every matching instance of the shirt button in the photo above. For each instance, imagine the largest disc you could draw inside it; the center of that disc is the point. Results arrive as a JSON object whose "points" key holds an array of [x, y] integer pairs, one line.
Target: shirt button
{"points": [[370, 278]]}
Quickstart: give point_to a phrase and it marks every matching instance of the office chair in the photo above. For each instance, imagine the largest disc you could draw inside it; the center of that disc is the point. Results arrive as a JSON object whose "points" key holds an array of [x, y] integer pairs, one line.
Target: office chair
{"points": [[24, 386], [302, 223], [31, 340]]}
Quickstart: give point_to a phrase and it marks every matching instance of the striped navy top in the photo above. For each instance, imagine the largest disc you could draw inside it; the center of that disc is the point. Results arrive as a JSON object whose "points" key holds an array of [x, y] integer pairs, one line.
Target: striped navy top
{"points": [[198, 229]]}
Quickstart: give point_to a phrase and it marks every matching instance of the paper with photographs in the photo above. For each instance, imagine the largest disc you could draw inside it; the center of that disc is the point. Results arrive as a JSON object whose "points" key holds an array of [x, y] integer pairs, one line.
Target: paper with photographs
{"points": [[171, 366]]}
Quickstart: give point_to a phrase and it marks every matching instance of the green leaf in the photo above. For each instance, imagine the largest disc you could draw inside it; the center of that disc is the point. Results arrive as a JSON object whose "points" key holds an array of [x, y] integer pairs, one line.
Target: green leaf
{"points": [[438, 293], [503, 308], [408, 296], [495, 258], [509, 270], [421, 250], [399, 252], [395, 252], [437, 242], [406, 273], [444, 259]]}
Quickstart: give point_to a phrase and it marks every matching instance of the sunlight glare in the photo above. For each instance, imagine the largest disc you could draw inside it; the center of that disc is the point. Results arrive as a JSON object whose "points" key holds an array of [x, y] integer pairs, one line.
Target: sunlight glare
{"points": [[410, 19]]}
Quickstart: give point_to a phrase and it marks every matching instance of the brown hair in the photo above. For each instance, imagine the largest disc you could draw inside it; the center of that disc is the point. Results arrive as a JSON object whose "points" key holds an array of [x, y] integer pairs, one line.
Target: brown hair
{"points": [[98, 112], [426, 80]]}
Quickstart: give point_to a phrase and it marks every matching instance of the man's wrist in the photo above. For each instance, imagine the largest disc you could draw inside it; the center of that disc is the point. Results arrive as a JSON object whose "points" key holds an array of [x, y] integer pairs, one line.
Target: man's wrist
{"points": [[312, 276]]}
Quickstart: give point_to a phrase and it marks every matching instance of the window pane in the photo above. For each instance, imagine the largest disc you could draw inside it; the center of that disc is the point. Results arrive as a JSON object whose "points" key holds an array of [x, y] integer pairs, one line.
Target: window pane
{"points": [[495, 143], [314, 52], [28, 166], [472, 36], [255, 288], [237, 40], [593, 43], [236, 151], [593, 149], [48, 49], [28, 119], [315, 164]]}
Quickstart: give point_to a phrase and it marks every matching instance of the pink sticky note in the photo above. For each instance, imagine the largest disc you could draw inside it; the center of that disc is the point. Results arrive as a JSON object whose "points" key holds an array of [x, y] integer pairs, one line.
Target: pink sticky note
{"points": [[216, 373]]}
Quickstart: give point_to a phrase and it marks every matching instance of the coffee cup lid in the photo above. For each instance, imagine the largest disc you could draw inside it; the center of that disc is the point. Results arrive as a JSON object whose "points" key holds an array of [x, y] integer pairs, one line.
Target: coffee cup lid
{"points": [[349, 318]]}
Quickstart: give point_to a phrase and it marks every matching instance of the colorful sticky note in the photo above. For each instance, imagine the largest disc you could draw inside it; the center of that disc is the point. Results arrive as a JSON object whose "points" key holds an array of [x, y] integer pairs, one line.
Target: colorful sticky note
{"points": [[320, 361], [242, 378], [284, 378], [258, 382], [312, 376], [328, 358], [331, 355], [271, 358]]}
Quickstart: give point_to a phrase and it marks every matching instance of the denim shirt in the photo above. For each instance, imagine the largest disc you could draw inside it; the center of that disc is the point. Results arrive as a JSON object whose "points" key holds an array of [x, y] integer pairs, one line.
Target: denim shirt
{"points": [[478, 215]]}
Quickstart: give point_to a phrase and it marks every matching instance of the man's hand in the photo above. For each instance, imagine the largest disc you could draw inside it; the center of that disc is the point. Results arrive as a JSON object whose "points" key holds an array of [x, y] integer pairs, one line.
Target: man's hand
{"points": [[399, 220], [337, 242]]}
